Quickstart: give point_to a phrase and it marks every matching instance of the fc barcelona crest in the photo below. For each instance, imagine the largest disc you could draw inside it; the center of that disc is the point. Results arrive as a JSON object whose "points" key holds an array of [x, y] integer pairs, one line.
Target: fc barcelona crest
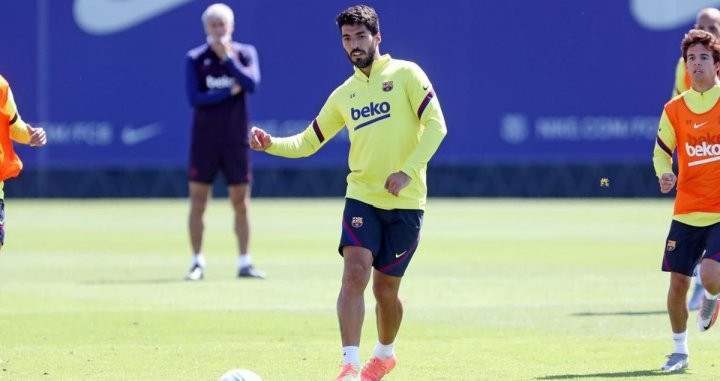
{"points": [[387, 86], [670, 245], [357, 222]]}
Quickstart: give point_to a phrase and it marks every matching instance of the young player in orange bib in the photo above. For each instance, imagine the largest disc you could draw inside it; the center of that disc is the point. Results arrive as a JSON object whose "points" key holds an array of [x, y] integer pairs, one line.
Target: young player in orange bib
{"points": [[12, 128], [690, 124], [708, 19]]}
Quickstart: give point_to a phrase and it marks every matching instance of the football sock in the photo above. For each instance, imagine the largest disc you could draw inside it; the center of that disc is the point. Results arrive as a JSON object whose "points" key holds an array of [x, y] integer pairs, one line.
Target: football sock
{"points": [[244, 260], [199, 259], [680, 341], [709, 295], [383, 351], [351, 355]]}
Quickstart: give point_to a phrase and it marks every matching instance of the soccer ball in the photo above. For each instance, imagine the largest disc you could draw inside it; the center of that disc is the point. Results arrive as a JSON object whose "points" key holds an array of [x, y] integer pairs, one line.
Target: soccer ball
{"points": [[240, 375]]}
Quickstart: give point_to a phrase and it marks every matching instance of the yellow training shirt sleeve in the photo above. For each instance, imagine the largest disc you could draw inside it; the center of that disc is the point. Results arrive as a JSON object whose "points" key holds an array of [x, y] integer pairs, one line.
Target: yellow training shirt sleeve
{"points": [[680, 83], [18, 129], [328, 122], [432, 130], [664, 146]]}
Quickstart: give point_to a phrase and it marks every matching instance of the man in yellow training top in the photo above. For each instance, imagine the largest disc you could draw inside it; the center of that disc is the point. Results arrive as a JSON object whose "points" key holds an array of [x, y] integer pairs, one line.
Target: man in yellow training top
{"points": [[395, 126], [12, 127], [691, 123]]}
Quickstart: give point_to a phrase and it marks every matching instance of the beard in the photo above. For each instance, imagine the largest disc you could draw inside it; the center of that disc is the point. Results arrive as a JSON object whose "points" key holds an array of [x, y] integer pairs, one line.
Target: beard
{"points": [[364, 62]]}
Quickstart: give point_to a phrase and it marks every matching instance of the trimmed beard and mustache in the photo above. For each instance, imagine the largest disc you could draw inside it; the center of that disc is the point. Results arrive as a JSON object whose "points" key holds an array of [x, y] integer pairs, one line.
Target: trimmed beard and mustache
{"points": [[363, 62]]}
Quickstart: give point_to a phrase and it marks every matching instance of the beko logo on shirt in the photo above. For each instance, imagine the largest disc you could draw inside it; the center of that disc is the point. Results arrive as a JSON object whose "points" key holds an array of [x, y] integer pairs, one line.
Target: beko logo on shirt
{"points": [[707, 146], [370, 110], [219, 82], [703, 149]]}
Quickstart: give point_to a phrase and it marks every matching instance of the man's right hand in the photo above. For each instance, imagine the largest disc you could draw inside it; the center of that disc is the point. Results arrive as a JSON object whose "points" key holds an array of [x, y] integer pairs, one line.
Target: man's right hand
{"points": [[259, 139], [667, 182], [222, 49], [38, 138]]}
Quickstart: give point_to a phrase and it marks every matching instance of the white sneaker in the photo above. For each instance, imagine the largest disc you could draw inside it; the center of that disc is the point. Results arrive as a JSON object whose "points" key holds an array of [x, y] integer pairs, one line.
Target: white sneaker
{"points": [[675, 362], [196, 272], [251, 272]]}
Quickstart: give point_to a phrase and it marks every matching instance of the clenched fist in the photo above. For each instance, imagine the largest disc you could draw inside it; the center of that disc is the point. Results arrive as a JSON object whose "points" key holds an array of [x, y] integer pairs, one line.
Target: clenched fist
{"points": [[37, 136], [667, 182], [259, 139]]}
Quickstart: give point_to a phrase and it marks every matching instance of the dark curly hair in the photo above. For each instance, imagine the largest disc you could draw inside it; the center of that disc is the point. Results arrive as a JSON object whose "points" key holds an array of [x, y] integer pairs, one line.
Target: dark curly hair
{"points": [[359, 14], [706, 39]]}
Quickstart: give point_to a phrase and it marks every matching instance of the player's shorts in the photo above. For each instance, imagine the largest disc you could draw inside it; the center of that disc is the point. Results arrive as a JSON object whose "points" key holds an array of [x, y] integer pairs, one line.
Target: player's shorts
{"points": [[2, 222], [233, 160], [391, 235], [685, 245]]}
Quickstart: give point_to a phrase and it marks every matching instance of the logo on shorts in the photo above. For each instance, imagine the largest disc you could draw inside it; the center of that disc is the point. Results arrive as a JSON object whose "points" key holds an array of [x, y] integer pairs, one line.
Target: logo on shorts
{"points": [[357, 222], [398, 255], [387, 86], [670, 245]]}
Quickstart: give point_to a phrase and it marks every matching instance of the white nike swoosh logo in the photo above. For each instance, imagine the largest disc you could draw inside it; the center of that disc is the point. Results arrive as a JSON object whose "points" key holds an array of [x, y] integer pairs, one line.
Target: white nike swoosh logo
{"points": [[132, 136], [698, 125], [398, 255], [667, 14], [111, 16]]}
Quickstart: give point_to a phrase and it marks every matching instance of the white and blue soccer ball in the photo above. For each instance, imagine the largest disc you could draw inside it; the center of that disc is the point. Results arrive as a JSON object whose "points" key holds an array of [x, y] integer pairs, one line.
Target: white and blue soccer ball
{"points": [[240, 375]]}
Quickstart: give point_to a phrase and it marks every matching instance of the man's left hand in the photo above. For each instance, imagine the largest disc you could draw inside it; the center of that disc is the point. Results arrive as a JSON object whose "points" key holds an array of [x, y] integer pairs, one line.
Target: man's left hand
{"points": [[396, 182]]}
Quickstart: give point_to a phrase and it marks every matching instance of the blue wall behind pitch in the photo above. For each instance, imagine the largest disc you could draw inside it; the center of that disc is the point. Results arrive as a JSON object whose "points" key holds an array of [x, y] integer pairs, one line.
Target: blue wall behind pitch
{"points": [[520, 82]]}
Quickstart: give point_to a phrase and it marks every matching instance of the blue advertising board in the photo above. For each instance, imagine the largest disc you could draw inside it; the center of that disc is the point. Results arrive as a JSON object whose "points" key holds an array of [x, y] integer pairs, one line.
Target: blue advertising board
{"points": [[519, 81]]}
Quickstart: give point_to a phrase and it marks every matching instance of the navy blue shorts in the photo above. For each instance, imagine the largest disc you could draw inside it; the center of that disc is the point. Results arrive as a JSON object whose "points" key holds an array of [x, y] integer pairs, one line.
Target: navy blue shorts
{"points": [[391, 235], [685, 246], [233, 160]]}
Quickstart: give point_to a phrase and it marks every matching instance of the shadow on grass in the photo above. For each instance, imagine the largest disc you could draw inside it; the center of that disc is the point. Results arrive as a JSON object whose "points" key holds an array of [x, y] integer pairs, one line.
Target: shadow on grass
{"points": [[621, 313], [132, 281], [637, 373]]}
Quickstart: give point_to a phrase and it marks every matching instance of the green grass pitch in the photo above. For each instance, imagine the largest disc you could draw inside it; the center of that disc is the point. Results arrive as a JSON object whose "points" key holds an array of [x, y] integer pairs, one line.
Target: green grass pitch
{"points": [[498, 290]]}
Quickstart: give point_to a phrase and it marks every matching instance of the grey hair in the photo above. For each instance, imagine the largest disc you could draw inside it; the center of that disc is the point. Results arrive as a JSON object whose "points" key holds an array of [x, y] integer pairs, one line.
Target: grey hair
{"points": [[218, 10]]}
